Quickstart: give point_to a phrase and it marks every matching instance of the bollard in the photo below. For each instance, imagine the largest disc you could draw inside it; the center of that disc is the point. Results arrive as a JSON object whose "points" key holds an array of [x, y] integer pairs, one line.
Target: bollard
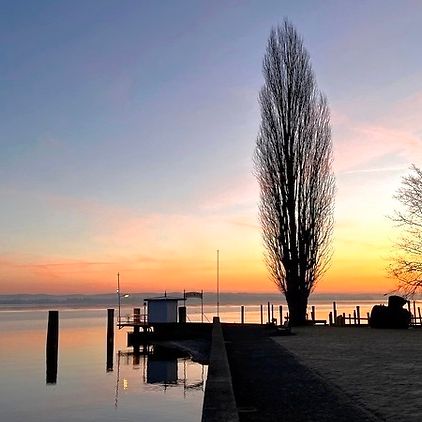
{"points": [[334, 311], [242, 314], [110, 339], [52, 347]]}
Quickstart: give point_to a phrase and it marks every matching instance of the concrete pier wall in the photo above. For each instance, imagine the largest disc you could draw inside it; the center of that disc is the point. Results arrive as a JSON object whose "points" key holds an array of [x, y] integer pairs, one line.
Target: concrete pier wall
{"points": [[219, 402]]}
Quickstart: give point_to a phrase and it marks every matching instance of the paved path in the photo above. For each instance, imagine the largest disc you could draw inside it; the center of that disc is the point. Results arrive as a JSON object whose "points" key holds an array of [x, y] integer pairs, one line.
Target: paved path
{"points": [[271, 385], [380, 368]]}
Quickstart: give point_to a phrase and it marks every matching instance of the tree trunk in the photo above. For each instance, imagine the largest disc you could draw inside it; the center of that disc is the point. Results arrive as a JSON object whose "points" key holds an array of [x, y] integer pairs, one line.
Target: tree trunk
{"points": [[297, 304]]}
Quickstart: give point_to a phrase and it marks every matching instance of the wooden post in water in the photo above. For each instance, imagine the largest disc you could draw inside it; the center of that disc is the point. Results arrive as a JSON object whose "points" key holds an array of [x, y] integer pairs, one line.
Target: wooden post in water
{"points": [[272, 312], [330, 318], [269, 312], [313, 313], [420, 317], [354, 316], [280, 311], [110, 339], [52, 347], [358, 314], [350, 319], [262, 314], [242, 314], [414, 313]]}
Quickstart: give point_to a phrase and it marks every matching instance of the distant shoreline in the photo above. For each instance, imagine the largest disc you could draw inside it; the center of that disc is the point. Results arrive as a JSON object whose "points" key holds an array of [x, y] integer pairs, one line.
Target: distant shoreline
{"points": [[228, 298]]}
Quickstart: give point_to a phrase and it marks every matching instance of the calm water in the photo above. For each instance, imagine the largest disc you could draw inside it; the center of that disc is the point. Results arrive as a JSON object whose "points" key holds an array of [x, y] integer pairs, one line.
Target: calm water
{"points": [[136, 389]]}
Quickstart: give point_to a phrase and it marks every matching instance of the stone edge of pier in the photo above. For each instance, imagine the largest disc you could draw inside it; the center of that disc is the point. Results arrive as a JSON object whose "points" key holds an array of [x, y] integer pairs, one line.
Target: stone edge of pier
{"points": [[219, 402]]}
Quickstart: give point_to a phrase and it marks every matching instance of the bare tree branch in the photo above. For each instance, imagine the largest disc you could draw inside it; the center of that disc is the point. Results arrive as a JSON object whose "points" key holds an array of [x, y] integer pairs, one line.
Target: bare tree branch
{"points": [[407, 265]]}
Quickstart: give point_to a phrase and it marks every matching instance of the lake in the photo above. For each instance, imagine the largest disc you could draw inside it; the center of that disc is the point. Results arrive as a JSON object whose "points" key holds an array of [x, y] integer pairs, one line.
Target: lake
{"points": [[139, 388], [160, 387]]}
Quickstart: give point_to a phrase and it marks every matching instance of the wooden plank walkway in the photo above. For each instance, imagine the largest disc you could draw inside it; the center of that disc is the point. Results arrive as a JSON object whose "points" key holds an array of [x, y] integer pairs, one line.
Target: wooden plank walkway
{"points": [[271, 385]]}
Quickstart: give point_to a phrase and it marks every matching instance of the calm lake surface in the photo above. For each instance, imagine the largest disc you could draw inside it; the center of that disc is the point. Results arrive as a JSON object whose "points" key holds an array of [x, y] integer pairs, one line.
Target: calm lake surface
{"points": [[137, 388]]}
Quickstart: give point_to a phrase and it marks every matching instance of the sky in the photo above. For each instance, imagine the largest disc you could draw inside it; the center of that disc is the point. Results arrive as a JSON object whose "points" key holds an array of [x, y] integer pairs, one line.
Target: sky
{"points": [[127, 130]]}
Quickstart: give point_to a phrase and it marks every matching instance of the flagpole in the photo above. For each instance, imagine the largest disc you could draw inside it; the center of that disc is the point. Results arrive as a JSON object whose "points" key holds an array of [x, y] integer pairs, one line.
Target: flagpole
{"points": [[118, 292], [202, 306], [218, 282]]}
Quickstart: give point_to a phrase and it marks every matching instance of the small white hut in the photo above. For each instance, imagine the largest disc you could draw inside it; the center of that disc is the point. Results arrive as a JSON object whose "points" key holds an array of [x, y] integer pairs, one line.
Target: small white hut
{"points": [[162, 309]]}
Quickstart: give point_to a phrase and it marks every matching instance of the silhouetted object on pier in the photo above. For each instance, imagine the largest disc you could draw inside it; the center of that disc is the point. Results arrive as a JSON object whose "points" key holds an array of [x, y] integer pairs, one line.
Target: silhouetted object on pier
{"points": [[391, 316], [182, 314], [52, 347], [110, 339]]}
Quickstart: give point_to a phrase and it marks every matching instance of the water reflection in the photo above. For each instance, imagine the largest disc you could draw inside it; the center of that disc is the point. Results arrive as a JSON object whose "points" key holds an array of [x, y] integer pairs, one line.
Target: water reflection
{"points": [[160, 368]]}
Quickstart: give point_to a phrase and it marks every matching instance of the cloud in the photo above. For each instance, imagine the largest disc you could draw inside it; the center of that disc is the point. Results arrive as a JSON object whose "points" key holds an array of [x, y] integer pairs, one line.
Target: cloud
{"points": [[376, 170]]}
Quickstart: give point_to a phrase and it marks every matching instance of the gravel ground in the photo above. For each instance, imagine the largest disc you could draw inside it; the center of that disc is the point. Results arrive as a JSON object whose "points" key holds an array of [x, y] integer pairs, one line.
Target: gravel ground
{"points": [[380, 370], [270, 384]]}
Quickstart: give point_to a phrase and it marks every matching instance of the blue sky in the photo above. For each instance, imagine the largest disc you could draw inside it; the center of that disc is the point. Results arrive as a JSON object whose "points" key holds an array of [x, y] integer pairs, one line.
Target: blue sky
{"points": [[142, 113]]}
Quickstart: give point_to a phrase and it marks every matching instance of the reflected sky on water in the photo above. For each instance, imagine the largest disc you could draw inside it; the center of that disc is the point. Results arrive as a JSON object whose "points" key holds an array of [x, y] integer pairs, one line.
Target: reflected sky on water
{"points": [[84, 390]]}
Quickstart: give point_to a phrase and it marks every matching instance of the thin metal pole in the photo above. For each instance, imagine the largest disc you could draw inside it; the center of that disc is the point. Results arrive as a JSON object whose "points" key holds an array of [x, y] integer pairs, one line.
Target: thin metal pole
{"points": [[202, 306], [118, 292], [218, 283]]}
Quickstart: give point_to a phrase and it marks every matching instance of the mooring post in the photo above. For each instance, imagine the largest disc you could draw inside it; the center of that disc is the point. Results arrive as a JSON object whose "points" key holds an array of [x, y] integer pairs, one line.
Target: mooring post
{"points": [[52, 347], [330, 318], [354, 316], [280, 309], [334, 312], [268, 312], [313, 313], [242, 314], [350, 319], [110, 339], [262, 314], [358, 314]]}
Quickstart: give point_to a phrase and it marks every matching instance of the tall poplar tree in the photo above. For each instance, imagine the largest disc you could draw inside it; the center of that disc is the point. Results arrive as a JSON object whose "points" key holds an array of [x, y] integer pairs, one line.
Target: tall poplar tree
{"points": [[293, 159]]}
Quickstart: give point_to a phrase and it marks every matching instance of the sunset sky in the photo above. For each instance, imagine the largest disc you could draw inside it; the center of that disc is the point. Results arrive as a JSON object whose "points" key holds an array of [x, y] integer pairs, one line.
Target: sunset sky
{"points": [[128, 128]]}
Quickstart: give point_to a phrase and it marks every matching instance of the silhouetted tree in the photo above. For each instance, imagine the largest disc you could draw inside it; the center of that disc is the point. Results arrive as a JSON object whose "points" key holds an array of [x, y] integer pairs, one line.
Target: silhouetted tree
{"points": [[293, 159], [407, 267]]}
